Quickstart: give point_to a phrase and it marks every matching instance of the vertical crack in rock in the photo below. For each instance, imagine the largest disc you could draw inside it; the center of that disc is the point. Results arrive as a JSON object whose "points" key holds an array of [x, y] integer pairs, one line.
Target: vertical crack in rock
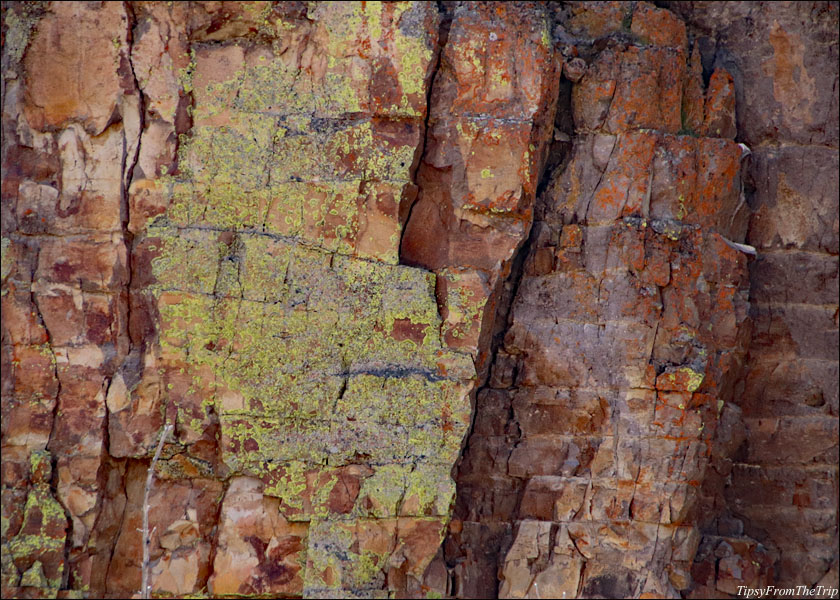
{"points": [[462, 550], [461, 581], [445, 16], [124, 373], [52, 474], [34, 540], [293, 317], [62, 210], [489, 122], [466, 579], [780, 486]]}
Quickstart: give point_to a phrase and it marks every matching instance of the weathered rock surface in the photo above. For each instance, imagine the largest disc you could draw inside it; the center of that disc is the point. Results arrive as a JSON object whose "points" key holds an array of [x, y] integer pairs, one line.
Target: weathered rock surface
{"points": [[488, 130], [568, 450], [344, 247], [626, 335], [783, 488], [205, 230]]}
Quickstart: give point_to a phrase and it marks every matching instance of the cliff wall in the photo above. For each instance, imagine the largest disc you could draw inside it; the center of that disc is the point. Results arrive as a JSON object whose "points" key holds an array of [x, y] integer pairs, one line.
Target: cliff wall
{"points": [[440, 299]]}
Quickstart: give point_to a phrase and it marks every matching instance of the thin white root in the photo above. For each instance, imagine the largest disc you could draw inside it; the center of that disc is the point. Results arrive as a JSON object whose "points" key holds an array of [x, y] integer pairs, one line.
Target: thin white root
{"points": [[740, 247]]}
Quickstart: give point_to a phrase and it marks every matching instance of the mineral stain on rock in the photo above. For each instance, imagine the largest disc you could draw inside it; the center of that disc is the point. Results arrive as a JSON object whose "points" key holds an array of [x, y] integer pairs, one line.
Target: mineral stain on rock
{"points": [[443, 299]]}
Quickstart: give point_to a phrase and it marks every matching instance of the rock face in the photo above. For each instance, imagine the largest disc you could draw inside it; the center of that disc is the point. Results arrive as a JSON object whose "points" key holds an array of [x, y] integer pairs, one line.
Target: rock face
{"points": [[488, 130], [568, 485], [441, 299], [624, 342], [781, 486]]}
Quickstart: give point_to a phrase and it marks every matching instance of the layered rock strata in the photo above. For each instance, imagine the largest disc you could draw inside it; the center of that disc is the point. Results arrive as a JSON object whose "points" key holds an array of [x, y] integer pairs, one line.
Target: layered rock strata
{"points": [[618, 383], [492, 107]]}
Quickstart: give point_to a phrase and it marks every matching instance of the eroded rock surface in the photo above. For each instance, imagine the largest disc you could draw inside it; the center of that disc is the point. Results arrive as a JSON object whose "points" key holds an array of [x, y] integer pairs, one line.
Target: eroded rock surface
{"points": [[782, 485], [625, 337], [345, 247], [620, 356], [205, 230]]}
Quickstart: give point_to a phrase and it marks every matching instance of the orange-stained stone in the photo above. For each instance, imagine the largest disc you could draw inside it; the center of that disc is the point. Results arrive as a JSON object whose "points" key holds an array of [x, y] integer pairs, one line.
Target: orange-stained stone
{"points": [[719, 120]]}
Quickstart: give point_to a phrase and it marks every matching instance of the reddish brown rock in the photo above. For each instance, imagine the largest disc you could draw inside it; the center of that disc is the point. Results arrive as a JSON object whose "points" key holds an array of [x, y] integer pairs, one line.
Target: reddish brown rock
{"points": [[574, 69], [693, 93], [719, 118], [34, 559], [259, 551], [658, 27], [781, 59], [182, 521], [205, 211], [781, 63], [488, 130], [56, 94], [631, 87], [723, 564], [626, 335], [597, 19]]}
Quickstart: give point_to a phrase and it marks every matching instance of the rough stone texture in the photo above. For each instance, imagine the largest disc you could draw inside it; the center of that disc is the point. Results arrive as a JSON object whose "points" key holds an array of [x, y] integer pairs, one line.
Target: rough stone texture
{"points": [[67, 142], [782, 486], [329, 241], [625, 338], [561, 453], [489, 125], [203, 206]]}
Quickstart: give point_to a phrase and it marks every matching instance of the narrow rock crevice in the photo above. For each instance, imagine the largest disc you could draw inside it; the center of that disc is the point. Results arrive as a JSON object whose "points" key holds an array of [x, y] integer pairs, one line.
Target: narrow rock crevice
{"points": [[558, 156], [131, 360], [445, 13]]}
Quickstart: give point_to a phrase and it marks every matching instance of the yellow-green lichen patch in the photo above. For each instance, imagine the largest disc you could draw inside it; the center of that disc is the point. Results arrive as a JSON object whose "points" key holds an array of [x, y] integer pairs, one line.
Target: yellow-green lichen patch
{"points": [[280, 298], [545, 36], [265, 266], [368, 397], [287, 483], [373, 14], [5, 258], [350, 555], [683, 379], [466, 297], [188, 260], [329, 326], [415, 55], [318, 361], [266, 172], [426, 493], [42, 534], [34, 576], [19, 21], [238, 154], [693, 378], [347, 41], [380, 495]]}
